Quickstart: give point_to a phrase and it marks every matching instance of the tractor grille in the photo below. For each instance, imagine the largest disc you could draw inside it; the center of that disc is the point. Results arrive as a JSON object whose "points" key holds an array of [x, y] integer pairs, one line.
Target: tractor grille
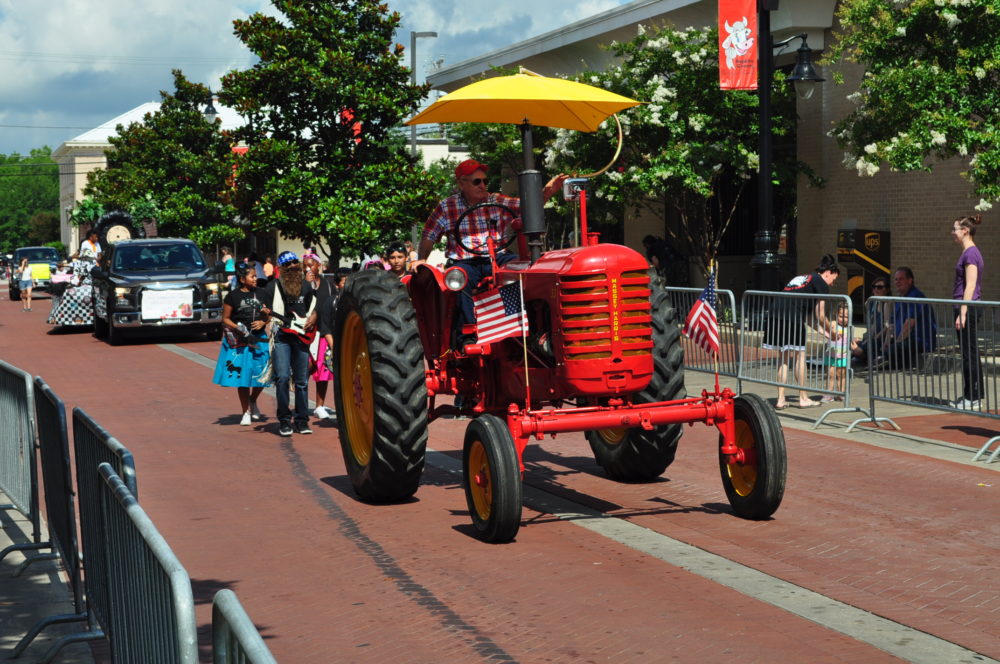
{"points": [[605, 316]]}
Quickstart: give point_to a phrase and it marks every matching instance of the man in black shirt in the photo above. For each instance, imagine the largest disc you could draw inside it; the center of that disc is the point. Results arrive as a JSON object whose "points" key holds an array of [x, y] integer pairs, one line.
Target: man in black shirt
{"points": [[291, 300]]}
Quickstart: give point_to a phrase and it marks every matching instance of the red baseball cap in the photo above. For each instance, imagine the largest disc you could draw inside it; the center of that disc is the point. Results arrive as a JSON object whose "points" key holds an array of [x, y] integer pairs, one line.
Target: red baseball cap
{"points": [[468, 167]]}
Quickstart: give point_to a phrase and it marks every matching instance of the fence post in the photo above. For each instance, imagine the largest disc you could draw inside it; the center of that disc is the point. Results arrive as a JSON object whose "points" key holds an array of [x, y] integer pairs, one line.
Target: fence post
{"points": [[235, 639], [151, 605], [18, 463]]}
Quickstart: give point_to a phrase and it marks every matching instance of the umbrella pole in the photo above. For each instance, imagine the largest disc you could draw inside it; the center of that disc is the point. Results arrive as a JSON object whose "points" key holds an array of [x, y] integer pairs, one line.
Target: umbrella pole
{"points": [[530, 187]]}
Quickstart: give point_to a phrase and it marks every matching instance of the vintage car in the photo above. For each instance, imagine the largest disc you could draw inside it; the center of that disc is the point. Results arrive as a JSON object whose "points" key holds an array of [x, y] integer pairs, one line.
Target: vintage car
{"points": [[156, 283], [43, 261]]}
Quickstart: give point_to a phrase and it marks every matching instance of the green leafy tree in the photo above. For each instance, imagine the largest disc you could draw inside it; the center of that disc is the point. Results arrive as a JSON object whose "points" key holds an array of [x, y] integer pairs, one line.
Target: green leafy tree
{"points": [[43, 227], [173, 167], [931, 87], [680, 147], [87, 211], [29, 185], [319, 107]]}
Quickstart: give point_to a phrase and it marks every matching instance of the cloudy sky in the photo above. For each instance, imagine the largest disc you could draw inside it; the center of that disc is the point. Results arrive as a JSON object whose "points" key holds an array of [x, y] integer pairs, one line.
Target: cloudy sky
{"points": [[70, 65]]}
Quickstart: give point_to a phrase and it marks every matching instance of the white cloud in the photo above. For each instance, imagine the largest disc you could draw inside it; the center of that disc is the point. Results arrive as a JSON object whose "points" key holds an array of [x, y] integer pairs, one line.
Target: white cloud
{"points": [[79, 63]]}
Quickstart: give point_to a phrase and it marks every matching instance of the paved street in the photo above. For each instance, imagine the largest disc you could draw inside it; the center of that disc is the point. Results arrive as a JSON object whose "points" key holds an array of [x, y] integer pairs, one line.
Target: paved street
{"points": [[883, 550]]}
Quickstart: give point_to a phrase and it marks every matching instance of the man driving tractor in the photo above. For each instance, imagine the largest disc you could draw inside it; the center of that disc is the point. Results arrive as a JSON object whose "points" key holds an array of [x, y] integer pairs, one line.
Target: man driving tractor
{"points": [[475, 229]]}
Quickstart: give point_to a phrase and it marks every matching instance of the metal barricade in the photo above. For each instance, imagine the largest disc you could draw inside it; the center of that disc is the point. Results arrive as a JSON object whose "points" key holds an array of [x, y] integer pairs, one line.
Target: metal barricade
{"points": [[782, 329], [18, 463], [60, 515], [93, 446], [151, 605], [925, 361], [695, 358], [235, 639]]}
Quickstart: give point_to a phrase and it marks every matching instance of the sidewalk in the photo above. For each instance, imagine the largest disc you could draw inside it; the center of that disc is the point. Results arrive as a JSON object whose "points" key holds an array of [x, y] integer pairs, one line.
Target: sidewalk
{"points": [[42, 590]]}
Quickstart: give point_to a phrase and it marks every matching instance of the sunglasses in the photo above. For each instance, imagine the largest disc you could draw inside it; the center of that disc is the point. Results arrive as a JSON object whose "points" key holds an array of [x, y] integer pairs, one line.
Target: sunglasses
{"points": [[880, 286], [476, 181]]}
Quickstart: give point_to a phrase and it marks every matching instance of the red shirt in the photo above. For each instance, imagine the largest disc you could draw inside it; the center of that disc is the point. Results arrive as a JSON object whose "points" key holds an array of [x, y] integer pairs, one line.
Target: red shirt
{"points": [[475, 228]]}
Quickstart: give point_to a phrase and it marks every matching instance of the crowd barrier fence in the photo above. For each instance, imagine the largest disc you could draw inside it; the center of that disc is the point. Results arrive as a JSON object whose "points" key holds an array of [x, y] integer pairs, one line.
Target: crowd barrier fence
{"points": [[18, 461], [934, 364], [60, 515], [235, 639], [695, 357], [150, 603], [789, 340], [93, 446]]}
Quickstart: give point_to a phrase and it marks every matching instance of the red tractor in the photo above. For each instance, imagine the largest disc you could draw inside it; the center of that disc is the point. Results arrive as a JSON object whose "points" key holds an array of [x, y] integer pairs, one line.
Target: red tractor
{"points": [[601, 354]]}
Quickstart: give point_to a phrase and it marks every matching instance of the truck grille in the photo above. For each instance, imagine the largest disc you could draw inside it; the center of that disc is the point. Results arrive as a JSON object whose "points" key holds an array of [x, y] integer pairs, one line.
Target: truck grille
{"points": [[605, 316]]}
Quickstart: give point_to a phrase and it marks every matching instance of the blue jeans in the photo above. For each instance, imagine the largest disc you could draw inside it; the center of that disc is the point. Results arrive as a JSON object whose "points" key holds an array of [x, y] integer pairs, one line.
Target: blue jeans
{"points": [[290, 360]]}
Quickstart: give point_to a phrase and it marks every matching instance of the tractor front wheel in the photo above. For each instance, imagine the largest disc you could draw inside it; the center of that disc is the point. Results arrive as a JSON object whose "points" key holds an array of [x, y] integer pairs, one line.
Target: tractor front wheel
{"points": [[756, 485], [492, 479], [379, 386]]}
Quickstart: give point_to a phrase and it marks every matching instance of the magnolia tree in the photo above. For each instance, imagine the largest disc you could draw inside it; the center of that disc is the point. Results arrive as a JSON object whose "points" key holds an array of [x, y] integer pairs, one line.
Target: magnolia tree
{"points": [[681, 146], [173, 167], [323, 165], [931, 88]]}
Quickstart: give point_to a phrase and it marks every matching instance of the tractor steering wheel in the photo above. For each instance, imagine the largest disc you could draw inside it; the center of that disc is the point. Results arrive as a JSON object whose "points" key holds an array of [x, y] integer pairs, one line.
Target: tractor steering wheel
{"points": [[483, 250]]}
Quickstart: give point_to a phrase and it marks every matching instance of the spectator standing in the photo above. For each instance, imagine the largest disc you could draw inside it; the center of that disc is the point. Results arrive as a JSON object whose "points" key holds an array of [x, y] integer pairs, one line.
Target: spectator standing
{"points": [[24, 283], [268, 268], [320, 375], [786, 335], [395, 257], [244, 352], [838, 355], [290, 298], [968, 287]]}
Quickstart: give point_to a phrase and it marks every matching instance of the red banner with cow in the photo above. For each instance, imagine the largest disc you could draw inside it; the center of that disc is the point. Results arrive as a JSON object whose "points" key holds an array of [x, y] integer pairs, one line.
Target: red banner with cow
{"points": [[738, 44]]}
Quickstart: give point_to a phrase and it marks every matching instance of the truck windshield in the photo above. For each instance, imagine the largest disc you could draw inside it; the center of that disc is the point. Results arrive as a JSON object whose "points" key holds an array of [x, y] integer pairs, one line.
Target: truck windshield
{"points": [[38, 255], [183, 257]]}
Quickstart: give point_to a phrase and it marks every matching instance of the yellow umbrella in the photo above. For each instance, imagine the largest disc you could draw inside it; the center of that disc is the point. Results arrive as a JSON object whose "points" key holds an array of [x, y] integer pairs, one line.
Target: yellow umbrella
{"points": [[527, 98]]}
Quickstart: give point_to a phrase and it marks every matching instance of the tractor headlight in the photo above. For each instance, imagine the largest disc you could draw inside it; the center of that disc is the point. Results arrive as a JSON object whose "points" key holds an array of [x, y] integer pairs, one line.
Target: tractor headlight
{"points": [[455, 279]]}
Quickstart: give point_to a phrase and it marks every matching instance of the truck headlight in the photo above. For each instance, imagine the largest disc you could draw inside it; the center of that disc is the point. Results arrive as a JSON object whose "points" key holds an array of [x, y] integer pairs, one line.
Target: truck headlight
{"points": [[120, 293]]}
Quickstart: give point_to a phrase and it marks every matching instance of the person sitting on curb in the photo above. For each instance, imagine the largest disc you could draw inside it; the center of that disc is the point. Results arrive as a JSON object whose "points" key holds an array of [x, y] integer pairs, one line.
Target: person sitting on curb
{"points": [[872, 342], [914, 330]]}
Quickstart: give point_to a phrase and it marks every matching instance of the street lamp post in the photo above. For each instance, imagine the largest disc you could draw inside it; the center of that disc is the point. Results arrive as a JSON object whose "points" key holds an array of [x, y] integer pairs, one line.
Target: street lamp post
{"points": [[765, 261], [414, 36], [210, 112]]}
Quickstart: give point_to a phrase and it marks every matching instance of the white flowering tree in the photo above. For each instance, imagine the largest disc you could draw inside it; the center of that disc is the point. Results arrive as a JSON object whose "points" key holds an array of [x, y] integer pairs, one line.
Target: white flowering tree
{"points": [[931, 88], [692, 147]]}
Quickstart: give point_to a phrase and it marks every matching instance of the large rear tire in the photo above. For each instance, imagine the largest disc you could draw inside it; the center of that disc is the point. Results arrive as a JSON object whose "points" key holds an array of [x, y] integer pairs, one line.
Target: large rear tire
{"points": [[379, 387], [492, 479], [637, 455], [755, 487]]}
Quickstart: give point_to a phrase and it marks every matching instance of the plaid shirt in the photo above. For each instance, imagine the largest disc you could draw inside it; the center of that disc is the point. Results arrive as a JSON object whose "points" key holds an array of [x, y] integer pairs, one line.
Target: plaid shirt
{"points": [[475, 227]]}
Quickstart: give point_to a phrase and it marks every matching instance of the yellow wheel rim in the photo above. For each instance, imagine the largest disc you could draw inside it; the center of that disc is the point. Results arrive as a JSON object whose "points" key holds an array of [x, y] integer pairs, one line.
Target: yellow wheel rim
{"points": [[612, 436], [743, 477], [480, 480], [356, 388]]}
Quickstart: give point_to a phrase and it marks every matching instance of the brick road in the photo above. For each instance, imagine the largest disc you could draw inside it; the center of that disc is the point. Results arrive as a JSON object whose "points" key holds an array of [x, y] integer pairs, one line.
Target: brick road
{"points": [[327, 578]]}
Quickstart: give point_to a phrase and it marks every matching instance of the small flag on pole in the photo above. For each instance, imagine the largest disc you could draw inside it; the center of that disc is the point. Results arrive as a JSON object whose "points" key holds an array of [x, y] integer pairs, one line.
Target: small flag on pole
{"points": [[500, 314], [701, 326]]}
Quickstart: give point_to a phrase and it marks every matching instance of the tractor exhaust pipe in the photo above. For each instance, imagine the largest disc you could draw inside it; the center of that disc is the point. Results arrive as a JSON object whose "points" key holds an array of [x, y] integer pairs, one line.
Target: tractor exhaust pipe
{"points": [[530, 185]]}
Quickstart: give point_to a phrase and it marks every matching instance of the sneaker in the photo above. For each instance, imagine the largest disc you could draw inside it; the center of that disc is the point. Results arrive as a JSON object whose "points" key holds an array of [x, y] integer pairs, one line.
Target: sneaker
{"points": [[255, 413], [245, 422], [322, 413], [285, 429], [826, 398], [303, 429], [968, 404]]}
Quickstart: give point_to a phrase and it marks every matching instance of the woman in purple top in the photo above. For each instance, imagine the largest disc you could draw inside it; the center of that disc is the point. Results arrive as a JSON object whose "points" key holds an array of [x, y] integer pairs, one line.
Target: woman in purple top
{"points": [[968, 286]]}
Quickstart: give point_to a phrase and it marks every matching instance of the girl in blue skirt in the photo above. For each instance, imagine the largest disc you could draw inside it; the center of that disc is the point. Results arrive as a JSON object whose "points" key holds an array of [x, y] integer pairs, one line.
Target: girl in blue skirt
{"points": [[244, 353]]}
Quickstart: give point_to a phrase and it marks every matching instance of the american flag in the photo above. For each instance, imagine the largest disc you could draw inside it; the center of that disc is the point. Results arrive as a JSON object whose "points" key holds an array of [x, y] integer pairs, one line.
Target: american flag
{"points": [[701, 326], [499, 313]]}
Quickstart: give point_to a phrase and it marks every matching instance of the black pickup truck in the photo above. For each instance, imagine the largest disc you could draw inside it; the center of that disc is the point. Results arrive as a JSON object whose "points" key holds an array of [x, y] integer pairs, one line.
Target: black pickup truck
{"points": [[156, 283]]}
